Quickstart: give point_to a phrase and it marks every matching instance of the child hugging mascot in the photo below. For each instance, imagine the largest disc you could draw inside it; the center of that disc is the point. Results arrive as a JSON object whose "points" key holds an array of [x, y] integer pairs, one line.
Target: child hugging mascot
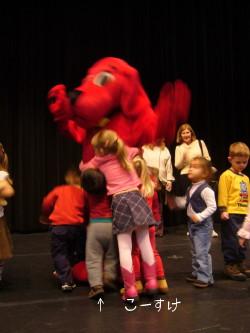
{"points": [[111, 96]]}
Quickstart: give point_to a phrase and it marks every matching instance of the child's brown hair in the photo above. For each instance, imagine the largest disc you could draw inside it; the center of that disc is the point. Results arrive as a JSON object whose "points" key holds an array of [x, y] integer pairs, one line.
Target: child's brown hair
{"points": [[239, 149]]}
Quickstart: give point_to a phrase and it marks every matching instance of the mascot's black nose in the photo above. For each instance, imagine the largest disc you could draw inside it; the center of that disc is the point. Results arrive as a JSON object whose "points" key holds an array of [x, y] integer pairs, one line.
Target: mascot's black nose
{"points": [[73, 95]]}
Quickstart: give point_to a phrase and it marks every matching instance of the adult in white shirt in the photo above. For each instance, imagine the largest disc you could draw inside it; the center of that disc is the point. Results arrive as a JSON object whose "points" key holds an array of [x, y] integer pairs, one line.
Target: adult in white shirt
{"points": [[157, 156]]}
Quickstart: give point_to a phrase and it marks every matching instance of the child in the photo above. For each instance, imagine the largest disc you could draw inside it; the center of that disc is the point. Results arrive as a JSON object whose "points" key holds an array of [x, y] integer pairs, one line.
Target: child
{"points": [[6, 191], [64, 206], [201, 204], [233, 202], [101, 251], [157, 157], [148, 192], [130, 210]]}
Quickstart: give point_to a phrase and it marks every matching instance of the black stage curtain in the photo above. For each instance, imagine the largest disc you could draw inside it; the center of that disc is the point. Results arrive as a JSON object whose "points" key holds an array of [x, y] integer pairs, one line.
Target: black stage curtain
{"points": [[205, 43]]}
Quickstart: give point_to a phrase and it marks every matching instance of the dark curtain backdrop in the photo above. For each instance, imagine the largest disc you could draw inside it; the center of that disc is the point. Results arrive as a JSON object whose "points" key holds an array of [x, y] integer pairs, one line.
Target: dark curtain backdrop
{"points": [[205, 43]]}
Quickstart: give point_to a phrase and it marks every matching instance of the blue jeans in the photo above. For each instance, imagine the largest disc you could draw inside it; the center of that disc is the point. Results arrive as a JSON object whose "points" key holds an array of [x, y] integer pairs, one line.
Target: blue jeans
{"points": [[200, 235], [232, 251]]}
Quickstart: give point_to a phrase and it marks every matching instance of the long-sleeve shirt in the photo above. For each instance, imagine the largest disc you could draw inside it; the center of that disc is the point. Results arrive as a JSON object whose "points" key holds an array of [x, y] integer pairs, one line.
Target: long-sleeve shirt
{"points": [[65, 205], [184, 154], [233, 194], [207, 195], [118, 179], [159, 159]]}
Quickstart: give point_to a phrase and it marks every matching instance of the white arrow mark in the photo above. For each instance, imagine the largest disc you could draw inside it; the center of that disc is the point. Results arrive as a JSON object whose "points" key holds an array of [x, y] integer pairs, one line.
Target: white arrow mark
{"points": [[100, 303]]}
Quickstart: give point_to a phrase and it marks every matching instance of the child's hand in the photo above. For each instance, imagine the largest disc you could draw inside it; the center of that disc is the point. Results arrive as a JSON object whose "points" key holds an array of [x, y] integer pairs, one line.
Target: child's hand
{"points": [[195, 219], [168, 186], [224, 216], [242, 242]]}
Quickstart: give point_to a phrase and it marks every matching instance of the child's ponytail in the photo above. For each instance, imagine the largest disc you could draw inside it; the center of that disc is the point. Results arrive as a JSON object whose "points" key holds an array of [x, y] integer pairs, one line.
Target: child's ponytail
{"points": [[141, 168], [122, 155]]}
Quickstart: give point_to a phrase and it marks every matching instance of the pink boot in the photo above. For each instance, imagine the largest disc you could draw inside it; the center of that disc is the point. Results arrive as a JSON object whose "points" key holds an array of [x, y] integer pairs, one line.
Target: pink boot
{"points": [[130, 294], [151, 286]]}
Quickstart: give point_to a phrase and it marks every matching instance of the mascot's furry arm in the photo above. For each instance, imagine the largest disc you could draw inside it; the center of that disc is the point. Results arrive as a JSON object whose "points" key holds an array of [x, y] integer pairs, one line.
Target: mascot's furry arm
{"points": [[61, 110], [111, 96]]}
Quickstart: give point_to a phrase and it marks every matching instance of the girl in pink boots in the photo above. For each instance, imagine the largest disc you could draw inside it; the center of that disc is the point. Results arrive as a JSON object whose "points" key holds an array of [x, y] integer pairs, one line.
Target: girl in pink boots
{"points": [[130, 210]]}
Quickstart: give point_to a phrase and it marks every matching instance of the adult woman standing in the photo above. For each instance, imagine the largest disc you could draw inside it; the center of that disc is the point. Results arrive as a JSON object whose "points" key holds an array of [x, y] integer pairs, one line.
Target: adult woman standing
{"points": [[188, 147]]}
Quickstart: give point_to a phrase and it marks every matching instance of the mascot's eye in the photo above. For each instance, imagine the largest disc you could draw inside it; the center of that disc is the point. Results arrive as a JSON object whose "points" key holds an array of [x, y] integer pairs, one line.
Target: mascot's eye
{"points": [[103, 78]]}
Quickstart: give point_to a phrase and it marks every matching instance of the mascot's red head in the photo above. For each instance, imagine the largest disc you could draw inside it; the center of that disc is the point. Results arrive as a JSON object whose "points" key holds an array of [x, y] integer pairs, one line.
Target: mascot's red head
{"points": [[111, 96]]}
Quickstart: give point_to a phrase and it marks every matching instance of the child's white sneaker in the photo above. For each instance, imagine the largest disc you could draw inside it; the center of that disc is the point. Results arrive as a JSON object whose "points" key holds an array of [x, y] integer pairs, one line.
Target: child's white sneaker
{"points": [[68, 286]]}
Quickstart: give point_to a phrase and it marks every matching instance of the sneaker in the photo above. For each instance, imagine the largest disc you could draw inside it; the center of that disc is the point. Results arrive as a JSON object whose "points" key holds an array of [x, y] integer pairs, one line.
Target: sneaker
{"points": [[232, 271], [244, 269], [162, 286], [201, 284], [96, 292], [68, 286], [191, 278], [214, 234]]}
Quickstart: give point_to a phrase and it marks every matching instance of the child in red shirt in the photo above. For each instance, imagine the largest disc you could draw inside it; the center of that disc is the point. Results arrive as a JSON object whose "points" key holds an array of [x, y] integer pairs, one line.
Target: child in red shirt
{"points": [[64, 208]]}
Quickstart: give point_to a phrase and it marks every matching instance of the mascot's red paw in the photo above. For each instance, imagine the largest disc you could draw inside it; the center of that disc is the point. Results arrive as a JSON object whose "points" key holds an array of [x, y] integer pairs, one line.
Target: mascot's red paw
{"points": [[79, 272], [59, 103]]}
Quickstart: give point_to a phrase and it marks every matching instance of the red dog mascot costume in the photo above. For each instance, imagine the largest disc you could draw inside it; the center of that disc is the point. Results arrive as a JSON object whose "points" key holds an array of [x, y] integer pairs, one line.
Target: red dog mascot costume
{"points": [[111, 96]]}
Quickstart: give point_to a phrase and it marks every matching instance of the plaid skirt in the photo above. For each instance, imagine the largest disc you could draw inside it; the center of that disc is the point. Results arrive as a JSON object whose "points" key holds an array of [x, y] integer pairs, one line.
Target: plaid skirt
{"points": [[6, 247], [130, 210]]}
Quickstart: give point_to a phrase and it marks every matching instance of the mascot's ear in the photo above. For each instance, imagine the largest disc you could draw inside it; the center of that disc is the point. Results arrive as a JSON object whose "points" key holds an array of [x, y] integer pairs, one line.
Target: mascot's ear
{"points": [[133, 96]]}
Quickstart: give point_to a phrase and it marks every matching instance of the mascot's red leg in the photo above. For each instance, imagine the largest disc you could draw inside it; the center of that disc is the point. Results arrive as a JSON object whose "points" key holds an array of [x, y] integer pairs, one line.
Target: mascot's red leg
{"points": [[172, 109]]}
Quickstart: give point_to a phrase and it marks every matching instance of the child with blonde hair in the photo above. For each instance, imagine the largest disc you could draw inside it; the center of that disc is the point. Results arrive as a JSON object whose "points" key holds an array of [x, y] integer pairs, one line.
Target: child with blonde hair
{"points": [[149, 193], [201, 204], [130, 209]]}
